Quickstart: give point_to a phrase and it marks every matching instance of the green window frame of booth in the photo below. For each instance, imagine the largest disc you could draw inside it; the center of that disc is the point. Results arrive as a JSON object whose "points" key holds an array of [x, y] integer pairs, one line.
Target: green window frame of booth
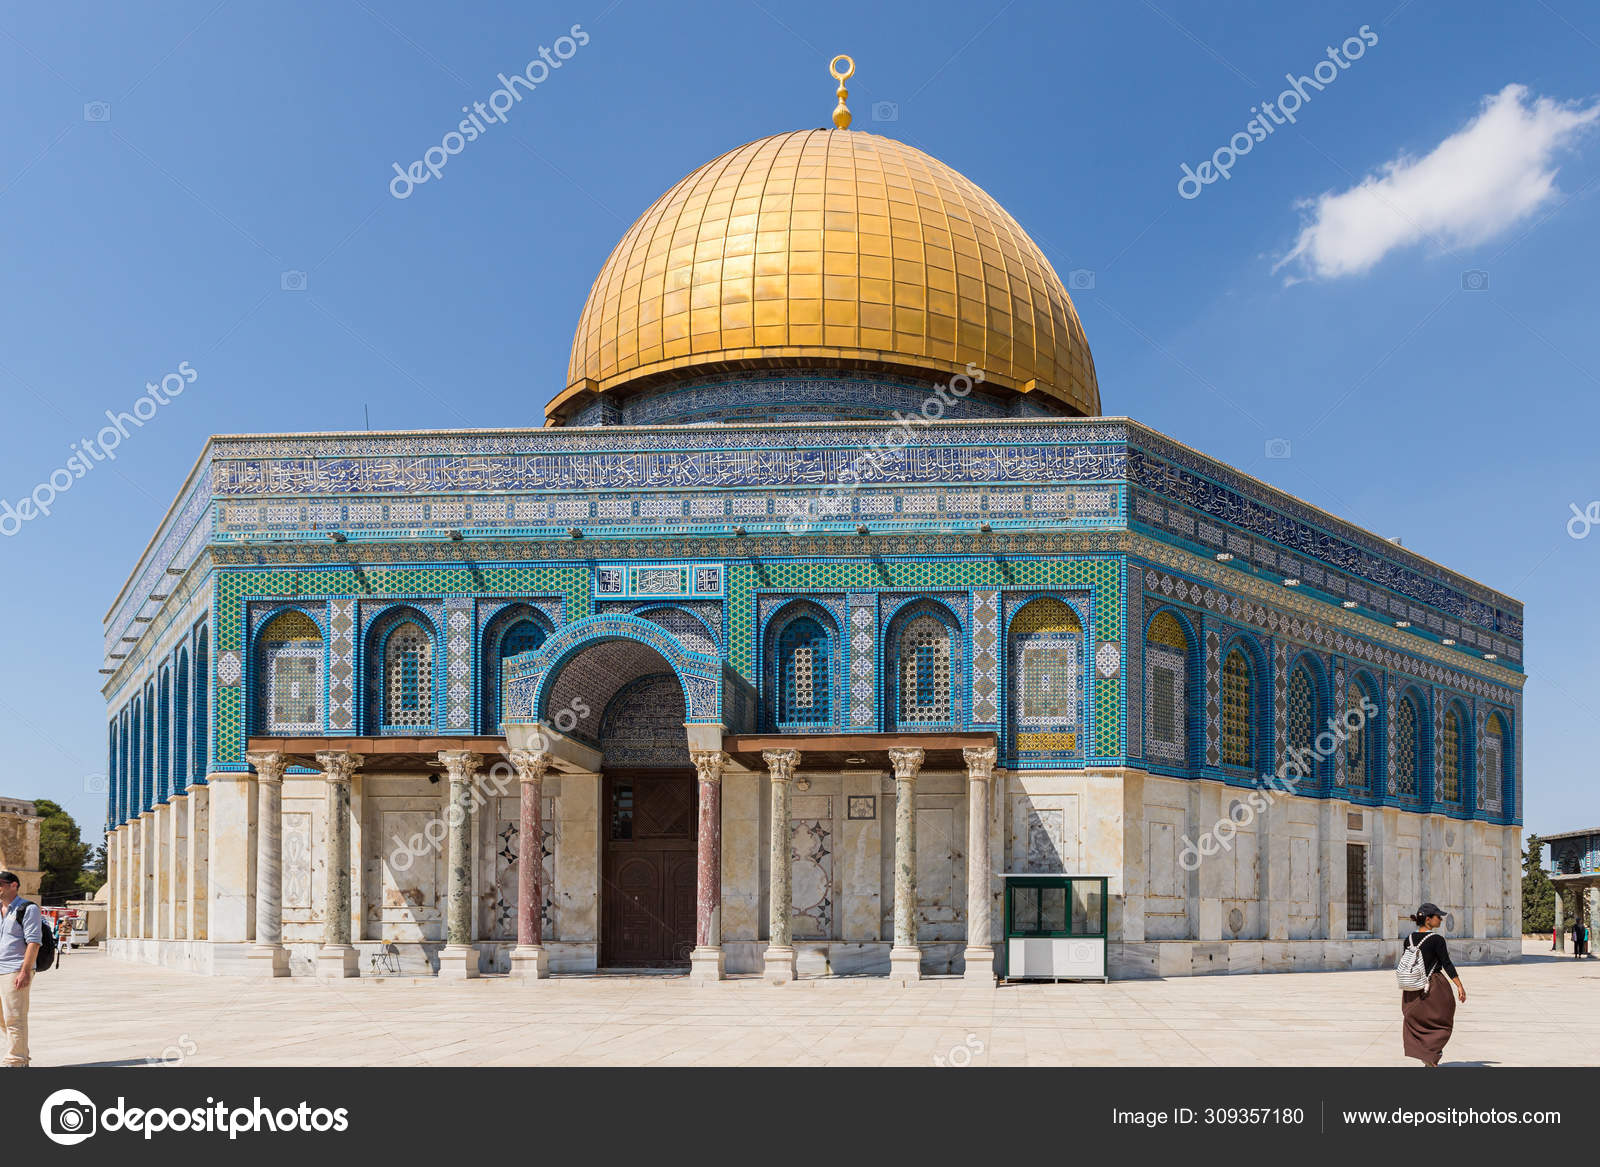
{"points": [[1053, 882]]}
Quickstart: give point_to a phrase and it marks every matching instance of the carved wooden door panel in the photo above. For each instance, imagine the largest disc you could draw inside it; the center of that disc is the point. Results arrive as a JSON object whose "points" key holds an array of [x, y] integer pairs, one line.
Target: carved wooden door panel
{"points": [[647, 893]]}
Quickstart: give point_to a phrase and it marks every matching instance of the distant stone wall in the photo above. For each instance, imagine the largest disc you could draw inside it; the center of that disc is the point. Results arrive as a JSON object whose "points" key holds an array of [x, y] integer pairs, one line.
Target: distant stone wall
{"points": [[19, 843]]}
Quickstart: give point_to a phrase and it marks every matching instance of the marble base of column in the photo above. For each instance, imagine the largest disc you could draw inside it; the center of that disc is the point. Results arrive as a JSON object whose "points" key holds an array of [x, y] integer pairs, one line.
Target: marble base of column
{"points": [[530, 962], [705, 963], [780, 964], [980, 965], [905, 964], [267, 960], [336, 962], [458, 962]]}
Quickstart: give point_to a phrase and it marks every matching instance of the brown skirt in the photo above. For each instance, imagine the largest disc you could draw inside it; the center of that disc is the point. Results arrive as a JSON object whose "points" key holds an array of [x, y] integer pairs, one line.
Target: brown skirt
{"points": [[1430, 1015]]}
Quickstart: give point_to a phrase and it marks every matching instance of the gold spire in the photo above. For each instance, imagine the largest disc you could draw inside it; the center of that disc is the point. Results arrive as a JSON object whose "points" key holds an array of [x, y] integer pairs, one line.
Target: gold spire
{"points": [[841, 115]]}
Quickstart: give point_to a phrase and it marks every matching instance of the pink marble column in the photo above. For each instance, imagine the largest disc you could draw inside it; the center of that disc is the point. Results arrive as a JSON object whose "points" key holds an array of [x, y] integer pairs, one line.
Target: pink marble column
{"points": [[705, 962], [528, 959]]}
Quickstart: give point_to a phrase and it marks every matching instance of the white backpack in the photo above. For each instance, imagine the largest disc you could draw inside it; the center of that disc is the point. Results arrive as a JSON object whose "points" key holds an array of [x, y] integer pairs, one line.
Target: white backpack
{"points": [[1409, 969]]}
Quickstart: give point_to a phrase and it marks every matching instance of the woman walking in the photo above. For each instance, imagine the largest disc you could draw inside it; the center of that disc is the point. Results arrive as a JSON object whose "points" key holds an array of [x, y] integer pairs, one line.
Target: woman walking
{"points": [[1430, 1013]]}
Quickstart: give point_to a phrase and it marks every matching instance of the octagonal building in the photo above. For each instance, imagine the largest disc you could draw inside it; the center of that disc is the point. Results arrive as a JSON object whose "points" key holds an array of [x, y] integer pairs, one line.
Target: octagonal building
{"points": [[825, 608]]}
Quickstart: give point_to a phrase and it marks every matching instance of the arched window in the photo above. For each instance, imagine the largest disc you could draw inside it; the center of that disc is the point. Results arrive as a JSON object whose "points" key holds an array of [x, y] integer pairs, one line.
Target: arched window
{"points": [[111, 774], [135, 775], [1166, 681], [923, 655], [1452, 746], [1238, 712], [1496, 764], [180, 724], [202, 721], [164, 740], [1301, 722], [512, 633], [1360, 748], [408, 677], [147, 780], [289, 654], [1047, 679], [124, 793], [202, 705], [1407, 749], [804, 673]]}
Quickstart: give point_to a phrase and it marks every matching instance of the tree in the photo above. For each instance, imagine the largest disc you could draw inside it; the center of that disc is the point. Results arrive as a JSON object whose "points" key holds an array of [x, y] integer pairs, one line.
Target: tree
{"points": [[63, 855], [1538, 893]]}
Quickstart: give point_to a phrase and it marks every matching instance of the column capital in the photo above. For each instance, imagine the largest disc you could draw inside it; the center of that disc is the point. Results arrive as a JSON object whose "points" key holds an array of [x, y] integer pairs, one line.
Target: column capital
{"points": [[781, 763], [338, 765], [708, 764], [907, 763], [269, 764], [530, 765], [460, 765], [980, 762]]}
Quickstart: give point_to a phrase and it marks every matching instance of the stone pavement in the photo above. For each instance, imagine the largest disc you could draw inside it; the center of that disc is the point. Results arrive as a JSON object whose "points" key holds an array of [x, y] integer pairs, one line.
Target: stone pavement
{"points": [[93, 1011]]}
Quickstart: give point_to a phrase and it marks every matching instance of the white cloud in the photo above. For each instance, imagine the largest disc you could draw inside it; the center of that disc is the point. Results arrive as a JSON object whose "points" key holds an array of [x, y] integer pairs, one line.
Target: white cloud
{"points": [[1490, 174]]}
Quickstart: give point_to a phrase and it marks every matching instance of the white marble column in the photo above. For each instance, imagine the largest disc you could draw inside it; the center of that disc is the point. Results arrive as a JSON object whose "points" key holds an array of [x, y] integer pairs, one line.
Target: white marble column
{"points": [[980, 941], [905, 957], [338, 957], [780, 957], [458, 959], [268, 957], [231, 892], [528, 959], [705, 961]]}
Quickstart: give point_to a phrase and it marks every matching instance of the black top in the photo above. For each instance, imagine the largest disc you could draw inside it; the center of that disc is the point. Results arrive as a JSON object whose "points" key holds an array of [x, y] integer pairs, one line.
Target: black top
{"points": [[1435, 953]]}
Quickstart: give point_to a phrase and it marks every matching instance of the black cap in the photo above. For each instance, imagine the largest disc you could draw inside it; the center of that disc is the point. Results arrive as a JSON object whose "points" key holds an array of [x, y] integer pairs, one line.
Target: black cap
{"points": [[1427, 910]]}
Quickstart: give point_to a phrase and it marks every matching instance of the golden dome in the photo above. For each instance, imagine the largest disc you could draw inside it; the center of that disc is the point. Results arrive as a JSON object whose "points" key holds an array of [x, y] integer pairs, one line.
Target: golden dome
{"points": [[829, 248]]}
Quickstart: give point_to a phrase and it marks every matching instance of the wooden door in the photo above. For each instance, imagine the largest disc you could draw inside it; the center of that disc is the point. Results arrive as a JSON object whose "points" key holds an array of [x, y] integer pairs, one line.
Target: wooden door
{"points": [[647, 900]]}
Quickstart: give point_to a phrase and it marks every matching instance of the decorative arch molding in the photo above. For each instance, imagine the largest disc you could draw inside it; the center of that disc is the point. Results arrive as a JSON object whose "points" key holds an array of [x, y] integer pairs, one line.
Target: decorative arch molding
{"points": [[378, 628], [1049, 715], [823, 669], [1172, 684], [923, 692], [1306, 723], [690, 629], [532, 678], [286, 683], [494, 650], [1259, 723]]}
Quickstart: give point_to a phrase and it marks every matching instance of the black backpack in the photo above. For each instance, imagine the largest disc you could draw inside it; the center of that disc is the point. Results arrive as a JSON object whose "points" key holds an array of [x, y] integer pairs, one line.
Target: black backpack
{"points": [[47, 934]]}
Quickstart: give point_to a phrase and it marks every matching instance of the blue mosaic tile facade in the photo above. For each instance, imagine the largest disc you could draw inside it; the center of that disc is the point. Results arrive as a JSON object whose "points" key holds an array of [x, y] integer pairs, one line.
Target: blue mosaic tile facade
{"points": [[650, 557]]}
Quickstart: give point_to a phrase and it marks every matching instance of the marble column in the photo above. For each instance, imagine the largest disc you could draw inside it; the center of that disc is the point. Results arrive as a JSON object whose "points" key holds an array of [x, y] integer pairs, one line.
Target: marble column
{"points": [[705, 962], [269, 958], [780, 958], [458, 959], [1561, 930], [529, 959], [905, 957], [338, 957], [980, 942]]}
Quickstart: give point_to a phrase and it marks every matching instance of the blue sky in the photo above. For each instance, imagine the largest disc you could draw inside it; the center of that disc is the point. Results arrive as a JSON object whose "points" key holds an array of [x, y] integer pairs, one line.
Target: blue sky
{"points": [[238, 141]]}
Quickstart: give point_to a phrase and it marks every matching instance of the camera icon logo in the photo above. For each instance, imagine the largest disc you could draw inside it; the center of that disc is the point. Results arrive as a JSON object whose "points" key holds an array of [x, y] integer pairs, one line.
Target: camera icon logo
{"points": [[886, 111], [68, 1117], [97, 784], [1475, 281], [293, 281], [97, 111], [1278, 448], [1080, 279]]}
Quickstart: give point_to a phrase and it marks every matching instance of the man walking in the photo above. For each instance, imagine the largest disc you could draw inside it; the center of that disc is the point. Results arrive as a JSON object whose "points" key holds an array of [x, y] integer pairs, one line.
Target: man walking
{"points": [[20, 935]]}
